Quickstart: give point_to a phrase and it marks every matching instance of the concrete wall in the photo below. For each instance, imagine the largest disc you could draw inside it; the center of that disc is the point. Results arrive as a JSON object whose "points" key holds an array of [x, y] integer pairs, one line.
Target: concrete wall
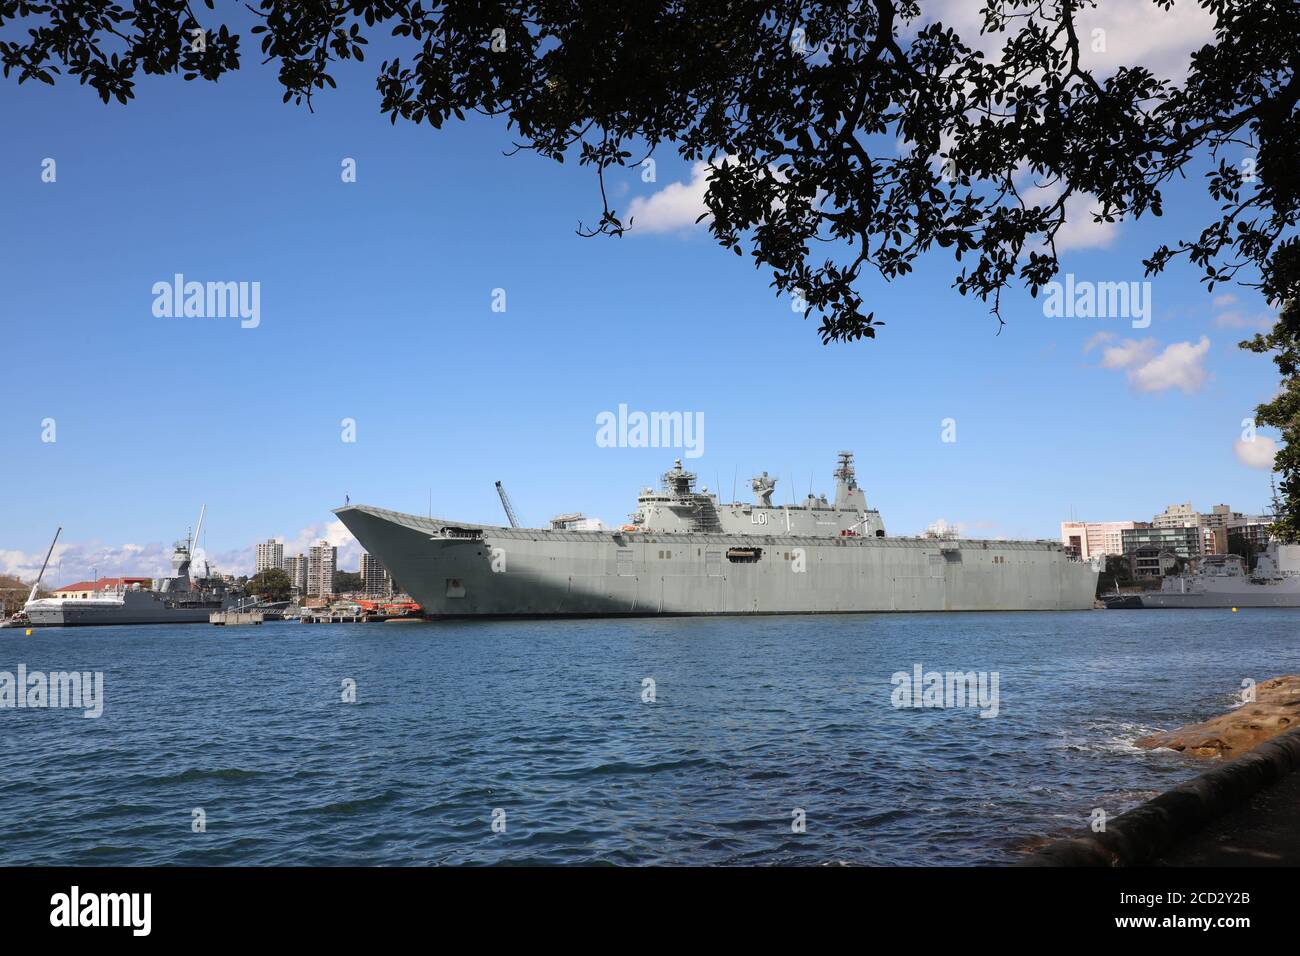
{"points": [[1145, 832]]}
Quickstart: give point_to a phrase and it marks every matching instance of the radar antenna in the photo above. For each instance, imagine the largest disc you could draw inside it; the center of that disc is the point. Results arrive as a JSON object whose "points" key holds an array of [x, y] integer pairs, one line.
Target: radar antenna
{"points": [[505, 503], [763, 487], [844, 469]]}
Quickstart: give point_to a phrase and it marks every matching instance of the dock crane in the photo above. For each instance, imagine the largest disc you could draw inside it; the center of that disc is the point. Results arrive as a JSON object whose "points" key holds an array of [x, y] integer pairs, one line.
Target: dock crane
{"points": [[505, 503], [44, 564]]}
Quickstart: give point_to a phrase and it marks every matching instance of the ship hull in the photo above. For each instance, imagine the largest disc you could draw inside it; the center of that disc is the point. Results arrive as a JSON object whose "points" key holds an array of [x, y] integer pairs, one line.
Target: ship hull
{"points": [[141, 608], [1271, 597], [508, 572]]}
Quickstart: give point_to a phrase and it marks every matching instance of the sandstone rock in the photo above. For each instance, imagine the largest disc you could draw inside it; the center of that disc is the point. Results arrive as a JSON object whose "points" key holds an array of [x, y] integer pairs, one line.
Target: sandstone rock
{"points": [[1276, 708]]}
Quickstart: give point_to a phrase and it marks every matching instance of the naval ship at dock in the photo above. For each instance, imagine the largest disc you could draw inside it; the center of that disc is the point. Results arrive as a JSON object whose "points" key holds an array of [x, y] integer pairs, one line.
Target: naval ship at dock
{"points": [[686, 552], [181, 598], [1222, 580]]}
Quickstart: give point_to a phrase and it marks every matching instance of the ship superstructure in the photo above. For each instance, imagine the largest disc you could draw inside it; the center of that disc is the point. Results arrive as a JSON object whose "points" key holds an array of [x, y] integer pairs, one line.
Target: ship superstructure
{"points": [[685, 552]]}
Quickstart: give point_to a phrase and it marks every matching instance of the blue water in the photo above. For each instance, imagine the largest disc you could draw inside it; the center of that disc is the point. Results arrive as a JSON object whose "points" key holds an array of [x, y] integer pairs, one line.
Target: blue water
{"points": [[753, 718]]}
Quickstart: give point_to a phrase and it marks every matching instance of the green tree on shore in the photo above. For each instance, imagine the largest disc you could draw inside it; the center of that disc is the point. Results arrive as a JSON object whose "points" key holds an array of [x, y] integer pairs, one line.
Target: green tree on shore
{"points": [[270, 585], [1283, 413], [345, 581]]}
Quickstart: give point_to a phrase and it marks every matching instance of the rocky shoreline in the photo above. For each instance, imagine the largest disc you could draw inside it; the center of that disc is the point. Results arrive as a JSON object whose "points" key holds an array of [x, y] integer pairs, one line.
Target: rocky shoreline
{"points": [[1276, 708]]}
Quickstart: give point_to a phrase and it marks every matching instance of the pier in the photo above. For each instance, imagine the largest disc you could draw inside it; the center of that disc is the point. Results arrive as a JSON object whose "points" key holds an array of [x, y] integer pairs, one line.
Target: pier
{"points": [[232, 618], [337, 615]]}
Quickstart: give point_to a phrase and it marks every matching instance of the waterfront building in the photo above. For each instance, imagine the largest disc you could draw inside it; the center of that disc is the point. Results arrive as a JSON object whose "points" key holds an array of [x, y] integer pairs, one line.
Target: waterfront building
{"points": [[1254, 530], [1219, 516], [270, 554], [1178, 516], [1152, 561], [1088, 539], [322, 562], [1182, 542], [374, 576], [85, 590], [296, 568]]}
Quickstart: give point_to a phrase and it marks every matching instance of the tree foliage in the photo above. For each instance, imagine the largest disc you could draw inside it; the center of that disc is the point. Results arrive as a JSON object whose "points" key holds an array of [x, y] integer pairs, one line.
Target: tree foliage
{"points": [[348, 581], [845, 137], [271, 584], [1283, 413]]}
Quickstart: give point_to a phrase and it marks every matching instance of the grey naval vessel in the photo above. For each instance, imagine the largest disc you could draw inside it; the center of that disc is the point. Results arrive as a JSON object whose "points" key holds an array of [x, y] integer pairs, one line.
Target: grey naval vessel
{"points": [[1222, 580], [179, 599], [685, 552]]}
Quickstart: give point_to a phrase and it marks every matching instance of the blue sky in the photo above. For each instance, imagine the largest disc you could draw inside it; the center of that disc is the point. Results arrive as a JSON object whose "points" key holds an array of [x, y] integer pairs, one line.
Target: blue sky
{"points": [[376, 306]]}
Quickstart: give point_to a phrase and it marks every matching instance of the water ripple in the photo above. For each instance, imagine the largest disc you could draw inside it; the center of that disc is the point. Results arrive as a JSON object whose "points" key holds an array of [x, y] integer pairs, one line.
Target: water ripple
{"points": [[528, 742]]}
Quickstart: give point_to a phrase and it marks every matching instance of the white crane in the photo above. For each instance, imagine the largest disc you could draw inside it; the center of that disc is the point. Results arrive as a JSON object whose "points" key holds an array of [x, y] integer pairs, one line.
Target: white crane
{"points": [[35, 587]]}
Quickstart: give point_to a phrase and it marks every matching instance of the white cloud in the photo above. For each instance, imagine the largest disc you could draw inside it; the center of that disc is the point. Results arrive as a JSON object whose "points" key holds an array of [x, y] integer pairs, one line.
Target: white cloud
{"points": [[1079, 231], [1256, 454], [1135, 33], [335, 533], [1141, 34], [1096, 340], [80, 561], [676, 206], [1129, 353], [1234, 319], [1225, 300], [1178, 366]]}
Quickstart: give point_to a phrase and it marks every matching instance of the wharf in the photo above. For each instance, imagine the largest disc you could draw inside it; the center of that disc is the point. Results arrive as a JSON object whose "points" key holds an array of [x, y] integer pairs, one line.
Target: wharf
{"points": [[235, 618]]}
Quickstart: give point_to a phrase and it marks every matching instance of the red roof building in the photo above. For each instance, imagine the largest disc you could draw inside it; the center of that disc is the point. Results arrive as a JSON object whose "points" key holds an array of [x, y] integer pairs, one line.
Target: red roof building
{"points": [[83, 590]]}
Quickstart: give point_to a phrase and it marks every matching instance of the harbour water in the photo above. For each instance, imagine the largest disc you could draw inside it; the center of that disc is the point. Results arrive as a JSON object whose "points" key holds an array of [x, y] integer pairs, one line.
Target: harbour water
{"points": [[752, 719]]}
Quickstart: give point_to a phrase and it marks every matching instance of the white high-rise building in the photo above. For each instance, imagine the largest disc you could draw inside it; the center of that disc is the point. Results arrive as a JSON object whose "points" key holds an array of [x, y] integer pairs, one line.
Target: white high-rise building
{"points": [[374, 576], [270, 554], [322, 562], [296, 568]]}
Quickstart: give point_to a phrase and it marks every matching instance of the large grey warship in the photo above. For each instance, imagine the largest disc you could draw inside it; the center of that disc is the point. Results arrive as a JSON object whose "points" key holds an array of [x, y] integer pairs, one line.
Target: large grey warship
{"points": [[685, 552]]}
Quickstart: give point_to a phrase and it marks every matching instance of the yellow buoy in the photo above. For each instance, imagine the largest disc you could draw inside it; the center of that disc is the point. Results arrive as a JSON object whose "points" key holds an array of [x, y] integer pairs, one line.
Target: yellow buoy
{"points": [[1234, 611], [29, 632]]}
